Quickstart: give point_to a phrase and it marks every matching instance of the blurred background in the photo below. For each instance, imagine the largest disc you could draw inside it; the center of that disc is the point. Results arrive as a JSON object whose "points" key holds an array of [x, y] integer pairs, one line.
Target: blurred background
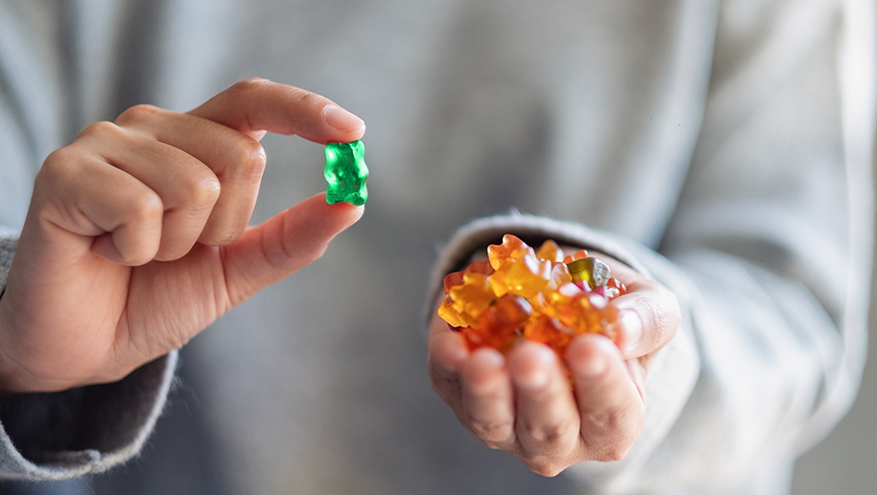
{"points": [[844, 463]]}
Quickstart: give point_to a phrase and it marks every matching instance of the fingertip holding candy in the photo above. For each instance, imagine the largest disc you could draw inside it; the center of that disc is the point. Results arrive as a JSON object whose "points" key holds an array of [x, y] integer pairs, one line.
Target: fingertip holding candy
{"points": [[346, 173]]}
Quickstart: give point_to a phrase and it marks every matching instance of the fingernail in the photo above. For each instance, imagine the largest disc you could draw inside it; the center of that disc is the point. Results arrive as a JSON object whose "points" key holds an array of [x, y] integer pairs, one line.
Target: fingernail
{"points": [[632, 327], [538, 376], [594, 366], [491, 358], [341, 119]]}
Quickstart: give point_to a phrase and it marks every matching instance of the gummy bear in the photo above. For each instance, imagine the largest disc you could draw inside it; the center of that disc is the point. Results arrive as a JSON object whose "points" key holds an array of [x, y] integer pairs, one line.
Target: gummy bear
{"points": [[456, 278], [511, 248], [522, 293], [590, 270], [548, 331], [549, 251], [474, 296], [346, 173], [580, 254], [524, 276], [498, 326]]}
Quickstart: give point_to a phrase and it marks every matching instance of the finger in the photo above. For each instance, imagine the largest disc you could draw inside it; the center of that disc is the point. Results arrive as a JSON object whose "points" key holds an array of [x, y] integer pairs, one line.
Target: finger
{"points": [[487, 406], [446, 355], [610, 405], [237, 160], [282, 245], [547, 418], [256, 105], [649, 314], [187, 188], [87, 197]]}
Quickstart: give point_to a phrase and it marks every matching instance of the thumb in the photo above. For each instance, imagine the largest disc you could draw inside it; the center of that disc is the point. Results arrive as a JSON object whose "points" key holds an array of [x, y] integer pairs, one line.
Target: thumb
{"points": [[289, 241]]}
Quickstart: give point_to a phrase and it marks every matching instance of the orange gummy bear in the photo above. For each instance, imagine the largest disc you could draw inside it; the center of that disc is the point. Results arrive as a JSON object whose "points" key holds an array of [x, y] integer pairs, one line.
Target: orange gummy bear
{"points": [[511, 248], [522, 293]]}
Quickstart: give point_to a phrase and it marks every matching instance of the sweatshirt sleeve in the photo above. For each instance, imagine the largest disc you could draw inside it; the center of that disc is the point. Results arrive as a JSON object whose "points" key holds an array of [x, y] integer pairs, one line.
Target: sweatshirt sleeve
{"points": [[52, 436], [769, 253]]}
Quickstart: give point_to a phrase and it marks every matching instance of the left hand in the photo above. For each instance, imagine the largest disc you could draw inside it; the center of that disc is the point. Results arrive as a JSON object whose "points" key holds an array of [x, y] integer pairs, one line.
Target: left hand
{"points": [[522, 402]]}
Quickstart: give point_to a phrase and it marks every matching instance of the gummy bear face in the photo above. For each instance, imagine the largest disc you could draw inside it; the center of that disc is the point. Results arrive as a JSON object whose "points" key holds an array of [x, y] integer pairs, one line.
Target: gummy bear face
{"points": [[346, 173]]}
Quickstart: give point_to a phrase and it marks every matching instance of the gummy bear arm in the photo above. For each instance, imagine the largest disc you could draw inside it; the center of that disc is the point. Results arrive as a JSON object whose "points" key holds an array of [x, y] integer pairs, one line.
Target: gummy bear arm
{"points": [[60, 435]]}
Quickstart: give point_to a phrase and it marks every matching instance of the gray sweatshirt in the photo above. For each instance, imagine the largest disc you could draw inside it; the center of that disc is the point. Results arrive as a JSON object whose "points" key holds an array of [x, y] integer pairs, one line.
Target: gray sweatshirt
{"points": [[722, 148]]}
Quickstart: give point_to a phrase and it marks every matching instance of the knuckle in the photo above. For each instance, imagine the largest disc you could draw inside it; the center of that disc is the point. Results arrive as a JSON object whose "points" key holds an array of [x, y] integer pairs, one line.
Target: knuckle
{"points": [[145, 207], [202, 191], [613, 452], [138, 113], [99, 130], [59, 163], [548, 435], [251, 159], [494, 435], [545, 467], [247, 86]]}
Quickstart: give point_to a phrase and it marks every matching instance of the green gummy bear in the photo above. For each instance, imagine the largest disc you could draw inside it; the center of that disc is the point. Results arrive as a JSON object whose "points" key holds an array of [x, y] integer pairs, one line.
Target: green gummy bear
{"points": [[593, 271], [346, 173]]}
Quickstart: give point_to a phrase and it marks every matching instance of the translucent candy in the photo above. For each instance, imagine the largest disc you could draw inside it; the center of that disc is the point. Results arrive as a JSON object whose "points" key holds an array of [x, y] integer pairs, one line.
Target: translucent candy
{"points": [[454, 318], [524, 276], [559, 276], [511, 248], [617, 285], [474, 296], [591, 270], [580, 254], [548, 331], [346, 173], [456, 278], [522, 293], [498, 326], [549, 250]]}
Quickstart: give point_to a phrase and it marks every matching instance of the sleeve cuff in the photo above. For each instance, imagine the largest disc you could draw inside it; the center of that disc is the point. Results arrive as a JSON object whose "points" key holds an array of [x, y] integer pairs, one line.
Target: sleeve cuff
{"points": [[91, 429]]}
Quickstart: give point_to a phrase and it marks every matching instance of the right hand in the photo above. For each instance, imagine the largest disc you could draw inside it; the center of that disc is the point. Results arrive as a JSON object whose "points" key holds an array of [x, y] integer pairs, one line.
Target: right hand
{"points": [[522, 402], [136, 238]]}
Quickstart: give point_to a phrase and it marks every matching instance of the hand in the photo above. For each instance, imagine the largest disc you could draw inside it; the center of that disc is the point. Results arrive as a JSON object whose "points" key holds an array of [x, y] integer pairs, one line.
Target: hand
{"points": [[523, 404], [136, 238]]}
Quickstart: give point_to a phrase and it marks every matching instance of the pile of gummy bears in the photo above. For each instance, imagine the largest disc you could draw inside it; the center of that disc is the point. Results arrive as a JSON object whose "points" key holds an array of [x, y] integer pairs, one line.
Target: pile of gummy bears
{"points": [[537, 295]]}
